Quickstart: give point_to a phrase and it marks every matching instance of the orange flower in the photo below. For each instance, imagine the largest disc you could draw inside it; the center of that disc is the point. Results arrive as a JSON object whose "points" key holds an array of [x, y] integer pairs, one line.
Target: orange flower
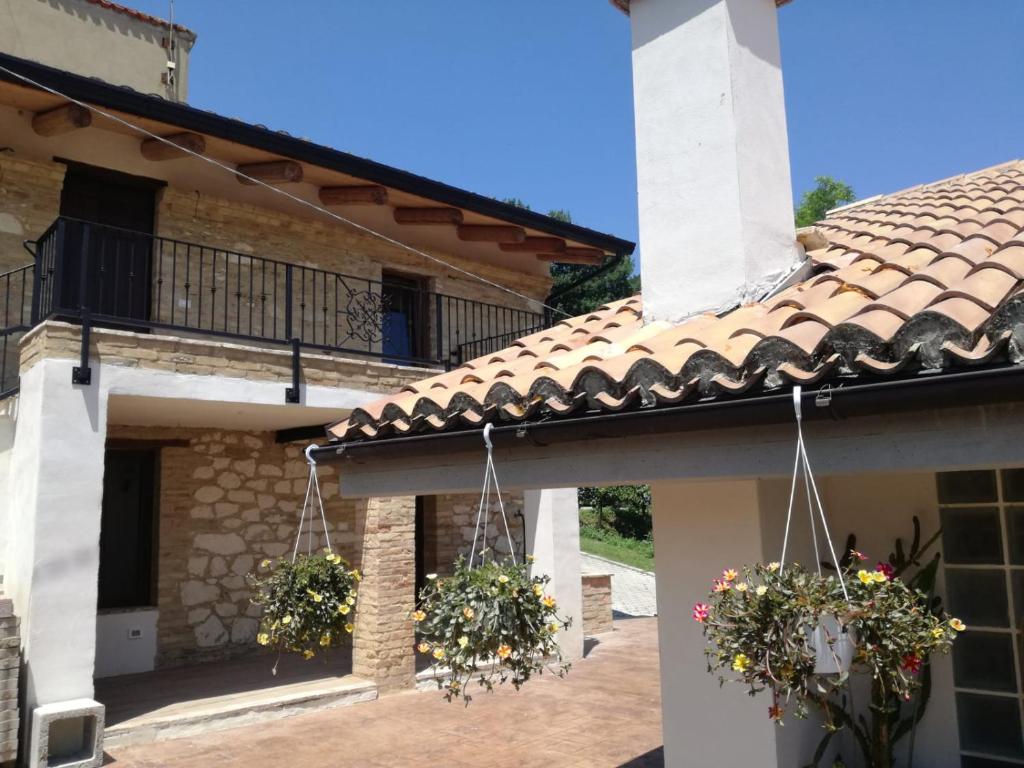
{"points": [[504, 651], [549, 601]]}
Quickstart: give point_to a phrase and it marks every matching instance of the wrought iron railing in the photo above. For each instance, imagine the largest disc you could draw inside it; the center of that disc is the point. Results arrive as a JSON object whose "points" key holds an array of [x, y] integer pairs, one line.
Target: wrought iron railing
{"points": [[15, 319], [97, 274]]}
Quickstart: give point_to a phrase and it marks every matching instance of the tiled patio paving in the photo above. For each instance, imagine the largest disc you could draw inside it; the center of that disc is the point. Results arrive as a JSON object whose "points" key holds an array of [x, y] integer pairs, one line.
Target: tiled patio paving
{"points": [[605, 714]]}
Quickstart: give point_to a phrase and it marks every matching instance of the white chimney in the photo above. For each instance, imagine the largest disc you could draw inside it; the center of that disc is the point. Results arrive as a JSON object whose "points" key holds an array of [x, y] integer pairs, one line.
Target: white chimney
{"points": [[712, 161]]}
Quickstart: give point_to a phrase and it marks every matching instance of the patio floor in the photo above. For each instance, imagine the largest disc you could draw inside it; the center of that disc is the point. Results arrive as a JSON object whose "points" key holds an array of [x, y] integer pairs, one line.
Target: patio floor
{"points": [[605, 714]]}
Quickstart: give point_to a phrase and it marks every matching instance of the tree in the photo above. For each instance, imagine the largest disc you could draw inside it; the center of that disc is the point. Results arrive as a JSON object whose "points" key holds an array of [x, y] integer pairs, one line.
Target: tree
{"points": [[828, 194]]}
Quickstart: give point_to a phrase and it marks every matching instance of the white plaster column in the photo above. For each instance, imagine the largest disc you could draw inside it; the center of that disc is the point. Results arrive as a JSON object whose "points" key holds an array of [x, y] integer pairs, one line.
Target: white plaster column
{"points": [[699, 529], [712, 159], [56, 494], [553, 538]]}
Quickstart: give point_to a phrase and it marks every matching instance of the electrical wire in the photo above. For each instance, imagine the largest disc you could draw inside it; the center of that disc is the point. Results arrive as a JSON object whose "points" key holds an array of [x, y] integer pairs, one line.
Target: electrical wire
{"points": [[295, 198]]}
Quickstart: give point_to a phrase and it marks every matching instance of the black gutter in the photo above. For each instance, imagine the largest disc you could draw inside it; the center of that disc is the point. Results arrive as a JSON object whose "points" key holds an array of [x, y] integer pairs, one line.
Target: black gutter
{"points": [[123, 99], [837, 400]]}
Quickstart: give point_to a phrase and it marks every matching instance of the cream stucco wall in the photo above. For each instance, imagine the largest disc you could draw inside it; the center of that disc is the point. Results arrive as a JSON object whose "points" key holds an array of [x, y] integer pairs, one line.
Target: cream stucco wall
{"points": [[88, 39]]}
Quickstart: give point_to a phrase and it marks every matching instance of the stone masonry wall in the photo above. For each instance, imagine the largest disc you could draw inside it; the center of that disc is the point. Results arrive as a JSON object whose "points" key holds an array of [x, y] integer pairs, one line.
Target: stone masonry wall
{"points": [[597, 604], [29, 201], [450, 522], [10, 662]]}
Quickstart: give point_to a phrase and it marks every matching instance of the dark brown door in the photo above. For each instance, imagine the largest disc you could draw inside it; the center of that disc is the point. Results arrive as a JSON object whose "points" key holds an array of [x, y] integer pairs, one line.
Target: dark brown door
{"points": [[128, 529], [108, 239]]}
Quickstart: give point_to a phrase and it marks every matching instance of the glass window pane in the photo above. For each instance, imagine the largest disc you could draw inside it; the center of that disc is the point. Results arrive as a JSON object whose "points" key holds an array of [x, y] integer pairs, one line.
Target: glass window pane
{"points": [[977, 597], [989, 724], [972, 536], [984, 660], [969, 487], [1013, 484], [1018, 596], [1015, 534]]}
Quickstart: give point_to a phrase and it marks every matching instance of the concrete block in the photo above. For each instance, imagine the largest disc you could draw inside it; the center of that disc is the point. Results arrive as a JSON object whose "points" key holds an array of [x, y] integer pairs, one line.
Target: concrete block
{"points": [[68, 734]]}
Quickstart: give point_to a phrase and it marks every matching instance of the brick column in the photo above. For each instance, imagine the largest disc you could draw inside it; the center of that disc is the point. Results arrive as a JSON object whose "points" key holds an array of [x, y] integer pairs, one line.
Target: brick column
{"points": [[385, 531]]}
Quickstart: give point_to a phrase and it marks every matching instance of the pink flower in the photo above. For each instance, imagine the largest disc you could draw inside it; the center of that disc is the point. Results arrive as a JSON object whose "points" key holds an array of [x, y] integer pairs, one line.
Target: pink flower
{"points": [[729, 575], [911, 663], [887, 569], [858, 555], [722, 586], [700, 612]]}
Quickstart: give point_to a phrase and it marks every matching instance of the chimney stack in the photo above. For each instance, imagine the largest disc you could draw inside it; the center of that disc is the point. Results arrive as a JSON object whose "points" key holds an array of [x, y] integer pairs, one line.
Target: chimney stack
{"points": [[716, 206]]}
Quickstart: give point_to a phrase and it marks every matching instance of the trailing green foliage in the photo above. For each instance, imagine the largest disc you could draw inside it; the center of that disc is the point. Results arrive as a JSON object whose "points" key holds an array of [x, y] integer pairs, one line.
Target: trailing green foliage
{"points": [[493, 623], [307, 605]]}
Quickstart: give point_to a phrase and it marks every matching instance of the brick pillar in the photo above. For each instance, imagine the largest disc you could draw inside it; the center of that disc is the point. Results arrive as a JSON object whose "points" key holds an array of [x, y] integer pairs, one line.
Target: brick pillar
{"points": [[385, 529]]}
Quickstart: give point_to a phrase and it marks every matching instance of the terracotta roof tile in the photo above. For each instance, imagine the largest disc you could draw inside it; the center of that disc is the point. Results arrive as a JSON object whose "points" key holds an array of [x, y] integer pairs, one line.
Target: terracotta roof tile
{"points": [[927, 278]]}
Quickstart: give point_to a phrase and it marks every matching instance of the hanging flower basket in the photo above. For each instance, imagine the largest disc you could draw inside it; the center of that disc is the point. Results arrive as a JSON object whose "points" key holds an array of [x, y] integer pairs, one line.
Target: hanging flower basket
{"points": [[495, 623], [309, 601], [308, 604], [768, 627]]}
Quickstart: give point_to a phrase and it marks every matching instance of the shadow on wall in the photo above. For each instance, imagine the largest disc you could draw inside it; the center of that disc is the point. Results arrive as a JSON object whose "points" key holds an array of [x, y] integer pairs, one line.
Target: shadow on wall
{"points": [[653, 759]]}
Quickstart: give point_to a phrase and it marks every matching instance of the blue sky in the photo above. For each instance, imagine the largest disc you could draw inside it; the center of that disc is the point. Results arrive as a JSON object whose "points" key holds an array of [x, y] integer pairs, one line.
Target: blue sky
{"points": [[533, 98]]}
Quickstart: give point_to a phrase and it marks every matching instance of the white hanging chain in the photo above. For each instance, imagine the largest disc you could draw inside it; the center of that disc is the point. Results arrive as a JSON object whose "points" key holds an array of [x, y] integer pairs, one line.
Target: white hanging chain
{"points": [[312, 497], [490, 476], [813, 498]]}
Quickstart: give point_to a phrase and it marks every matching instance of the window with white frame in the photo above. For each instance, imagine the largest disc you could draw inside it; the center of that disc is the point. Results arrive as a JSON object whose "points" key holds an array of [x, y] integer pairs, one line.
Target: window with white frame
{"points": [[983, 547]]}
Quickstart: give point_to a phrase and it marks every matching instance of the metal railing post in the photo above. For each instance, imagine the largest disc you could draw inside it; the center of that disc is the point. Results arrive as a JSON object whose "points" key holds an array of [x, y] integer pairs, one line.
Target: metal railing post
{"points": [[82, 373], [56, 290], [292, 393], [288, 301], [439, 329]]}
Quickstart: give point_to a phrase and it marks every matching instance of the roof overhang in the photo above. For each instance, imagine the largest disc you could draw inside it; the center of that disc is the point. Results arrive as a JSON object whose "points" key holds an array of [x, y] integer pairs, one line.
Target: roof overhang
{"points": [[165, 117], [623, 5]]}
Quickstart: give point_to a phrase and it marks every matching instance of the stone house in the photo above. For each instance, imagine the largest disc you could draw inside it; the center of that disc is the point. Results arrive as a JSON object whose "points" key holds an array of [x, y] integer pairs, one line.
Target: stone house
{"points": [[901, 319], [176, 331]]}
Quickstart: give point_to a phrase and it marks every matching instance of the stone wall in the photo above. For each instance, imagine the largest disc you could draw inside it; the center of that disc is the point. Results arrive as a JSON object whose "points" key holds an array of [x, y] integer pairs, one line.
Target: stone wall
{"points": [[597, 604], [450, 522], [229, 499], [10, 662], [29, 201]]}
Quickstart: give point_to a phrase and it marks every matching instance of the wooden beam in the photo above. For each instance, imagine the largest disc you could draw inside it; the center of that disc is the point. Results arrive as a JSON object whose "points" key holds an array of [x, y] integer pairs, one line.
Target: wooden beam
{"points": [[491, 233], [592, 256], [273, 172], [363, 194], [181, 145], [65, 119], [428, 216], [535, 245]]}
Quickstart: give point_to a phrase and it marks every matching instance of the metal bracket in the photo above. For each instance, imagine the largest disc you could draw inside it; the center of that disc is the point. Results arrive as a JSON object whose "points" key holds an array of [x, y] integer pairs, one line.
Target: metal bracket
{"points": [[823, 399], [292, 394], [82, 373]]}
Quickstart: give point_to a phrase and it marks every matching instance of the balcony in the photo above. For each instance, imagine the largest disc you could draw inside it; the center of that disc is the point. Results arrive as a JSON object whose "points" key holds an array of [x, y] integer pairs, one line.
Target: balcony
{"points": [[93, 274]]}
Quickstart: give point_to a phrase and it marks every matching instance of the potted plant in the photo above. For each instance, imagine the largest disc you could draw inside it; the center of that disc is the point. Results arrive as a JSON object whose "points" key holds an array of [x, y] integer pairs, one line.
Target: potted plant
{"points": [[308, 603], [764, 629], [495, 622]]}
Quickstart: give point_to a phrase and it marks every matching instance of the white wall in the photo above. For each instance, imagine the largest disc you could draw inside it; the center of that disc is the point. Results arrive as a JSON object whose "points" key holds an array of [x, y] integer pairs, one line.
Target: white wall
{"points": [[553, 538], [715, 200], [126, 642], [8, 409]]}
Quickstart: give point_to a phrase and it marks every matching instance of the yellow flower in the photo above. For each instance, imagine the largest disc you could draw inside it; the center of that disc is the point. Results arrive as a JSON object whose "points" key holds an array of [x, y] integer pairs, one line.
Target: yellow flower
{"points": [[463, 641], [265, 564], [530, 558], [729, 574], [552, 627], [865, 576], [356, 575], [468, 612], [538, 590], [515, 593], [761, 591], [343, 609], [741, 587], [549, 601], [350, 600], [878, 577], [317, 597], [286, 620], [504, 651], [418, 615], [349, 627], [773, 567], [938, 632], [325, 639], [263, 638], [958, 625], [438, 653], [308, 654], [740, 662], [503, 579], [423, 648]]}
